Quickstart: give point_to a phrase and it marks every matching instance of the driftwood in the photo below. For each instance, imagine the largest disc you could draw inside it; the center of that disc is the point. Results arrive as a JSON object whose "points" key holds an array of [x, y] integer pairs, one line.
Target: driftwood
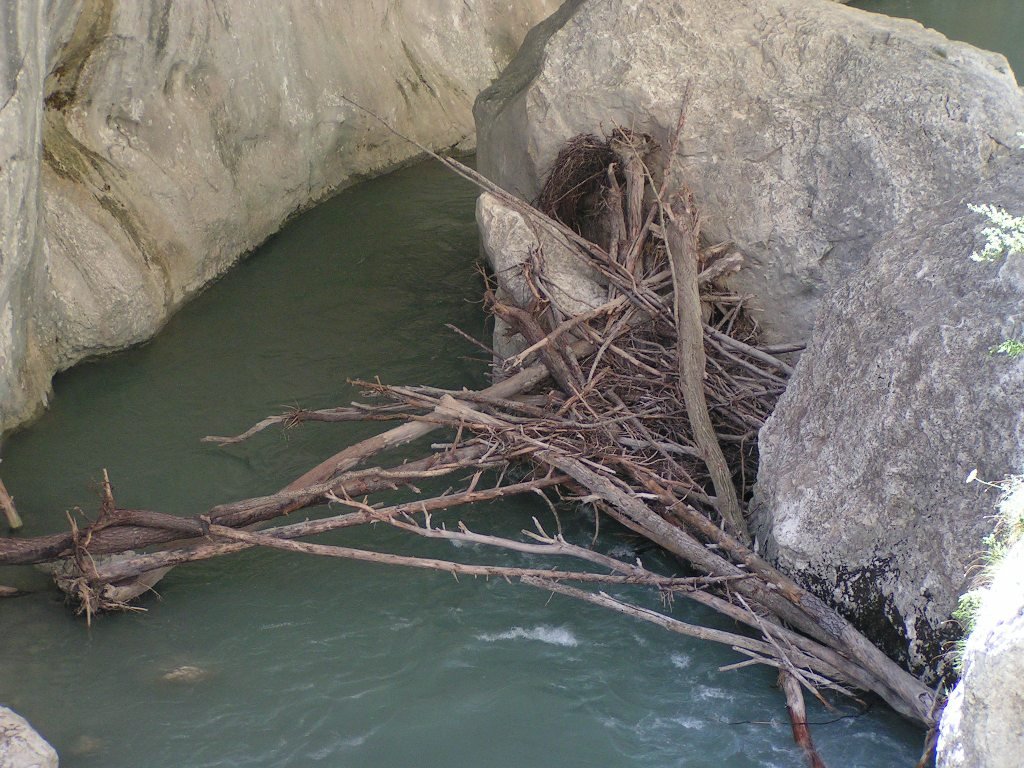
{"points": [[798, 717], [648, 412], [7, 506], [682, 230]]}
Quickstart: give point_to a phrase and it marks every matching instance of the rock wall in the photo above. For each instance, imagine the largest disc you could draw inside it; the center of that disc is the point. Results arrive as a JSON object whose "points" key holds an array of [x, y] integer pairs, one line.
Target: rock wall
{"points": [[812, 129], [896, 400], [145, 146], [983, 723]]}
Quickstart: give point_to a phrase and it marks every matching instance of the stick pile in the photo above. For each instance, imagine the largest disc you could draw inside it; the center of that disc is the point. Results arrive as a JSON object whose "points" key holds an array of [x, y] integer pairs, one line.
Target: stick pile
{"points": [[646, 408]]}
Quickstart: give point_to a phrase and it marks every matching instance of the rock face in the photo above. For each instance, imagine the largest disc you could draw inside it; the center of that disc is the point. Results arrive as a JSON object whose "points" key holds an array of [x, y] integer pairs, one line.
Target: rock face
{"points": [[983, 723], [898, 397], [812, 128], [145, 146], [21, 746]]}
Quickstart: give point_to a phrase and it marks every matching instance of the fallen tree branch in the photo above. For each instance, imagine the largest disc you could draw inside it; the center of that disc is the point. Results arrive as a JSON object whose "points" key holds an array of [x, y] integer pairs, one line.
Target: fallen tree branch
{"points": [[135, 566], [681, 241], [433, 564], [798, 718], [113, 537], [7, 505]]}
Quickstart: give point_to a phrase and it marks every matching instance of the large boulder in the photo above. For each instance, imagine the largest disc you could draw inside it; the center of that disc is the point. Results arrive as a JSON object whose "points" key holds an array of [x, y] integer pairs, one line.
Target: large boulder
{"points": [[145, 146], [21, 746], [811, 130], [898, 397], [983, 723]]}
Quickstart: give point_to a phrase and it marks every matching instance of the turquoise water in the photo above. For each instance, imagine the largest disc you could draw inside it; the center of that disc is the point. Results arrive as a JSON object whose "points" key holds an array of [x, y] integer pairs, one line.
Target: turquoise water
{"points": [[307, 661]]}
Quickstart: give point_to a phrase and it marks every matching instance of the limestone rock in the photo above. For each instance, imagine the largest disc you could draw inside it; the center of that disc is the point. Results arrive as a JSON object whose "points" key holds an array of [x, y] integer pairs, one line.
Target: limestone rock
{"points": [[509, 241], [897, 399], [812, 129], [21, 746], [983, 723], [145, 146]]}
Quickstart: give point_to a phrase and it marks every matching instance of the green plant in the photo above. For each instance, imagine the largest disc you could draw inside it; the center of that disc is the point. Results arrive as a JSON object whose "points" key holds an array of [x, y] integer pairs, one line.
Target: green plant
{"points": [[1011, 348]]}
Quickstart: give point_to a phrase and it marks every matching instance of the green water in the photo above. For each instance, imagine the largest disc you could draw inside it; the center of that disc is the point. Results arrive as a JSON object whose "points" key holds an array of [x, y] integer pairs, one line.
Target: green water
{"points": [[326, 662], [997, 25]]}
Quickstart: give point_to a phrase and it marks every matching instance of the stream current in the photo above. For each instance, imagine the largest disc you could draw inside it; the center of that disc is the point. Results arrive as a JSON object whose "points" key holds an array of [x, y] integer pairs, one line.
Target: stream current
{"points": [[276, 659]]}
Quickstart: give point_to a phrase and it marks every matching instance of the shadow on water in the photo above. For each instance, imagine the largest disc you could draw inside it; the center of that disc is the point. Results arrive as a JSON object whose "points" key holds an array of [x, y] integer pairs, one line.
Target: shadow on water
{"points": [[301, 661]]}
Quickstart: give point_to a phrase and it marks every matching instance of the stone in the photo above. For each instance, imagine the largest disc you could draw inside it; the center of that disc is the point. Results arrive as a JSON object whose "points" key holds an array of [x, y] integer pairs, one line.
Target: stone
{"points": [[510, 242], [983, 722], [146, 146], [21, 746], [186, 674], [897, 399], [811, 130]]}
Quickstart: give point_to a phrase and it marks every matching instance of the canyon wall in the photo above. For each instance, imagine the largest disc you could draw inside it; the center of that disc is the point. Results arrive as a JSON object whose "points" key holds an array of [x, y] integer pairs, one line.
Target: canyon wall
{"points": [[146, 145]]}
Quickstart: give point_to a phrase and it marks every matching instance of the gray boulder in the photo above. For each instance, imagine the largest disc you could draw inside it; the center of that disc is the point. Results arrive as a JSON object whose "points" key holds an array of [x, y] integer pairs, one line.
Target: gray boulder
{"points": [[983, 723], [896, 400], [21, 746], [145, 146], [812, 129]]}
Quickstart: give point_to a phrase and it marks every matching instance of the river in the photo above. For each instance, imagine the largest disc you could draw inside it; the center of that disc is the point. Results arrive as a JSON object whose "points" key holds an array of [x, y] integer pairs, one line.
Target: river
{"points": [[301, 661]]}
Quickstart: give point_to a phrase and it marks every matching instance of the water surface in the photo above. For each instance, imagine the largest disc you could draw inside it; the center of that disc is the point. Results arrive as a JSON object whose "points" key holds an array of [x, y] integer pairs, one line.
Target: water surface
{"points": [[307, 661], [997, 25]]}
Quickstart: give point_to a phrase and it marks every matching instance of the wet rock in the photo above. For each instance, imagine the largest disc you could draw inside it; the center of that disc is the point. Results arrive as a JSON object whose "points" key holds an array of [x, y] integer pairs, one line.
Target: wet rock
{"points": [[898, 397], [21, 746]]}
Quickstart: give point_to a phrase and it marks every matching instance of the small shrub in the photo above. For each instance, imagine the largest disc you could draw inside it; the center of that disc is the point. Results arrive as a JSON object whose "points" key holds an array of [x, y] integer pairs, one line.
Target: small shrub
{"points": [[1011, 348]]}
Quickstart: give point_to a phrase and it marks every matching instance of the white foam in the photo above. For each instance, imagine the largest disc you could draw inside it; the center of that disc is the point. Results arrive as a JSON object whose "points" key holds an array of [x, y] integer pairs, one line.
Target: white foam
{"points": [[706, 692], [551, 635], [680, 660]]}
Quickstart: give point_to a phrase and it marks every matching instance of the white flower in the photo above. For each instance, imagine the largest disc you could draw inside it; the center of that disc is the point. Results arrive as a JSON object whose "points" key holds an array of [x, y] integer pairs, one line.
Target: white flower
{"points": [[1005, 237]]}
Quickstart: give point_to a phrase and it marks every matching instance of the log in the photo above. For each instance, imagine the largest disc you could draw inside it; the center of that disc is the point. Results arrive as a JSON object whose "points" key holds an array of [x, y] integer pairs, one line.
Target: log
{"points": [[681, 242], [798, 718], [135, 566], [616, 222], [7, 504], [426, 563], [903, 692]]}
